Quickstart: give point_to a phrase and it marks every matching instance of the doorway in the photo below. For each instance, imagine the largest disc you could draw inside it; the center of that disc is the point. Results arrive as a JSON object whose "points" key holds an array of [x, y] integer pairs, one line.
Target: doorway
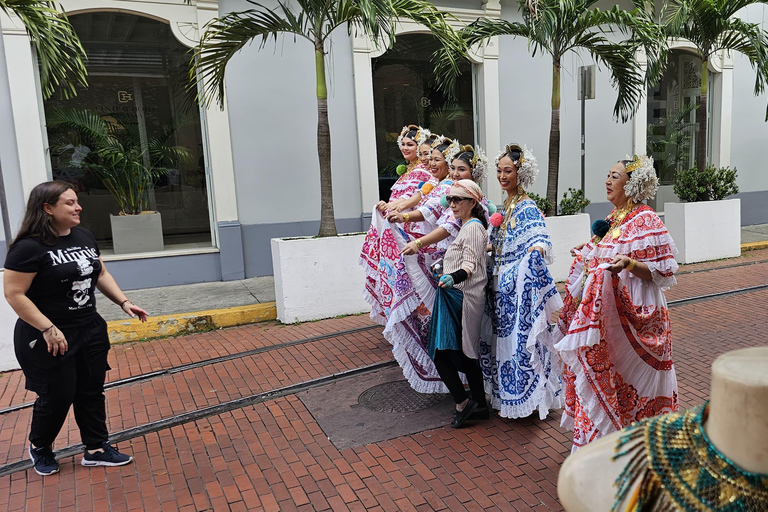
{"points": [[405, 92]]}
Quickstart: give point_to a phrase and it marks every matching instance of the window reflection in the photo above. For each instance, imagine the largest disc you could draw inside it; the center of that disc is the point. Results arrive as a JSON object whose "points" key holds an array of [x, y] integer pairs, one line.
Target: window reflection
{"points": [[405, 92], [137, 74]]}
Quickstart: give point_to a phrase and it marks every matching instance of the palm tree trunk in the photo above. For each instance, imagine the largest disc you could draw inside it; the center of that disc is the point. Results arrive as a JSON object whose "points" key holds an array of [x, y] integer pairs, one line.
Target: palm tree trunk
{"points": [[327, 221], [554, 140], [701, 149]]}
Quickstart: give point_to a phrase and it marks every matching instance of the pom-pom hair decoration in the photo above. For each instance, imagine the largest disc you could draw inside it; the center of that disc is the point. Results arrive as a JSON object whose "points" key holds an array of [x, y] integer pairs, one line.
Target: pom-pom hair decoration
{"points": [[527, 166], [444, 202], [643, 181], [600, 227], [402, 169], [496, 219], [491, 208]]}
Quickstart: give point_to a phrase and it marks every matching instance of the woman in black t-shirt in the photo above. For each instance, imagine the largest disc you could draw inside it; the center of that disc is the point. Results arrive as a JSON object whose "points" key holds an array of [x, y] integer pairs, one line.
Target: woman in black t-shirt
{"points": [[52, 271]]}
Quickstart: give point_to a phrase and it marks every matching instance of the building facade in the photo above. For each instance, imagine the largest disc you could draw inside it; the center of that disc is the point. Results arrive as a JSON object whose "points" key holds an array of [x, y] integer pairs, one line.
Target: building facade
{"points": [[251, 171]]}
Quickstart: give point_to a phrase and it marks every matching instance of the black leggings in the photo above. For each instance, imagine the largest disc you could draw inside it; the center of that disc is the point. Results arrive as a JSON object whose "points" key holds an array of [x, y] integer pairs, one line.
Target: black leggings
{"points": [[73, 379], [449, 363]]}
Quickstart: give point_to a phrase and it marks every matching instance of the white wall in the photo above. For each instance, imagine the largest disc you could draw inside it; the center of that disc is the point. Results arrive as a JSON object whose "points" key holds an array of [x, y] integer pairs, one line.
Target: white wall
{"points": [[7, 323], [749, 131], [273, 119]]}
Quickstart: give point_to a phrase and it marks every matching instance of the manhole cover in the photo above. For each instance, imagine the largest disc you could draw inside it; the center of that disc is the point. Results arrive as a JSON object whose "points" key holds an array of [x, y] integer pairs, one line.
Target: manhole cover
{"points": [[398, 396]]}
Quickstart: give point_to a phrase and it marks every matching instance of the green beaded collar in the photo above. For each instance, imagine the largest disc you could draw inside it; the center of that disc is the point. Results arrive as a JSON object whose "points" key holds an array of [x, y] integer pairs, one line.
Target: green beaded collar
{"points": [[680, 469]]}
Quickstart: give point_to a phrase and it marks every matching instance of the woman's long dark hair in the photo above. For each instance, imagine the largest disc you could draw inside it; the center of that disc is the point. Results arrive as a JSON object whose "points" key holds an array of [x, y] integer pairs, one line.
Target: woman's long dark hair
{"points": [[37, 223], [479, 214]]}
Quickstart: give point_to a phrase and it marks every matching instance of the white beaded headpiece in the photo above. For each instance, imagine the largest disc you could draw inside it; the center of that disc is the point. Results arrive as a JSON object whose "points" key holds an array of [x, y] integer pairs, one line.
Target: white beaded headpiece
{"points": [[479, 163], [643, 181], [419, 138], [527, 167]]}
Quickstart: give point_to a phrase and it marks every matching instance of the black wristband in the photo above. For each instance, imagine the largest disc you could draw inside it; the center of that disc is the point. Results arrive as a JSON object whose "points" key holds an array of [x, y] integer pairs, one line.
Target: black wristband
{"points": [[459, 276]]}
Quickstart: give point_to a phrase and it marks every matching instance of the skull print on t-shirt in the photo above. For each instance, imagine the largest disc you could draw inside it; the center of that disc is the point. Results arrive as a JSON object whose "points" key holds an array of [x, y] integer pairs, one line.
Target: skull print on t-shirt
{"points": [[66, 274]]}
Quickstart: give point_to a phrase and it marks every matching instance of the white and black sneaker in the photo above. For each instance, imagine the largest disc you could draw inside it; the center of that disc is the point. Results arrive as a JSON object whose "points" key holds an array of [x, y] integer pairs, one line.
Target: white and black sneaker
{"points": [[109, 457], [44, 460]]}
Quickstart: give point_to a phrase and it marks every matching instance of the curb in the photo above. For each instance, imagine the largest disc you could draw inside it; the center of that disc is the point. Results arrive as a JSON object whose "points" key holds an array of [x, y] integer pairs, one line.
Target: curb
{"points": [[121, 331], [754, 246]]}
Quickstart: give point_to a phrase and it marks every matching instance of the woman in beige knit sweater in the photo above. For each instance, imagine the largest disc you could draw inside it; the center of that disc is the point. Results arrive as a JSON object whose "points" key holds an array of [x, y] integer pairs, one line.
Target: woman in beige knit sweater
{"points": [[455, 329]]}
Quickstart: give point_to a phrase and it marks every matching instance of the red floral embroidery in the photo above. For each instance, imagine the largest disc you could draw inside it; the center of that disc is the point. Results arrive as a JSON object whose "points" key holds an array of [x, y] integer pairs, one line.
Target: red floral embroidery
{"points": [[658, 405], [627, 396], [389, 246], [598, 357]]}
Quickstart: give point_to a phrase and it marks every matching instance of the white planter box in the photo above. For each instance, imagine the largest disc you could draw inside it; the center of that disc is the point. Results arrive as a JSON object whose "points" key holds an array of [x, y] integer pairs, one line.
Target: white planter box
{"points": [[566, 232], [665, 194], [703, 231], [137, 233], [318, 277], [7, 323]]}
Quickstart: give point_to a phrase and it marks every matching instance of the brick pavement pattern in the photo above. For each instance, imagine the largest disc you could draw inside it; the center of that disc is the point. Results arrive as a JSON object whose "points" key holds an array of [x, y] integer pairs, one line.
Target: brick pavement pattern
{"points": [[274, 456]]}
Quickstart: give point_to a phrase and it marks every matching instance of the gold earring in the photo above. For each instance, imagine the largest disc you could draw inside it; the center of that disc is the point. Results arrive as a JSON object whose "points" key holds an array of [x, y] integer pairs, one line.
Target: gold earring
{"points": [[520, 190]]}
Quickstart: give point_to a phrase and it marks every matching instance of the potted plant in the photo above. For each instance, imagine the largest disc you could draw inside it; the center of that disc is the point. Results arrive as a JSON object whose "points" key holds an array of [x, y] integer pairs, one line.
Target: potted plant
{"points": [[706, 226], [305, 269], [569, 229], [127, 163]]}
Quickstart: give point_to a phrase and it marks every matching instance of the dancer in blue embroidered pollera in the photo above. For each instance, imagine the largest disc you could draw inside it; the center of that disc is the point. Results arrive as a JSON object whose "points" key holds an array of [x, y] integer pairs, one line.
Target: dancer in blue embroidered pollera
{"points": [[519, 364]]}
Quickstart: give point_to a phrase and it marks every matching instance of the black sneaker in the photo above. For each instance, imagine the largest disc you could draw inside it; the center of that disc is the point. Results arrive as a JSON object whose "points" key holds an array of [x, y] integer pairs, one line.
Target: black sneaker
{"points": [[480, 414], [463, 415], [44, 460], [109, 457]]}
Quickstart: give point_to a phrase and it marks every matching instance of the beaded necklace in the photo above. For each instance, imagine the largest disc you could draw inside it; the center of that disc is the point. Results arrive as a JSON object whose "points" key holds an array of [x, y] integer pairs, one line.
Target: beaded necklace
{"points": [[615, 219], [680, 469], [508, 223]]}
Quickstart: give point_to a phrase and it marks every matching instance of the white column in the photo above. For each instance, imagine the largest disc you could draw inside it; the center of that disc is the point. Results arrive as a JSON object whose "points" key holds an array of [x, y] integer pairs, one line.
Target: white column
{"points": [[640, 119], [219, 142], [721, 108], [366, 123], [490, 115], [26, 105]]}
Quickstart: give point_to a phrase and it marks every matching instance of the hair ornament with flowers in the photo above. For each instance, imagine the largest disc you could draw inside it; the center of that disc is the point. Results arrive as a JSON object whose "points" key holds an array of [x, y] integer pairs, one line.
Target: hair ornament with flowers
{"points": [[643, 181], [419, 138], [527, 166], [451, 151], [479, 162]]}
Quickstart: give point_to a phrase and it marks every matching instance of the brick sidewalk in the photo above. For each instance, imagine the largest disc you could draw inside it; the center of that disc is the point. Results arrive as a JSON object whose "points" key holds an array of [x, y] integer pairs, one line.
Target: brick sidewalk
{"points": [[275, 456]]}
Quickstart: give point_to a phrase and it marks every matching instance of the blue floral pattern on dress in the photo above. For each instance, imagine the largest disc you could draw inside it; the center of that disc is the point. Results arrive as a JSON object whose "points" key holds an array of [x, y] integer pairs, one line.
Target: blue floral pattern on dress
{"points": [[517, 378]]}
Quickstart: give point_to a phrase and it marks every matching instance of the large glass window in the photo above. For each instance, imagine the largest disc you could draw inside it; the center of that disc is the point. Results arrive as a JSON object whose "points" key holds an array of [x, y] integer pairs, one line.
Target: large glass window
{"points": [[137, 75], [405, 92], [673, 126]]}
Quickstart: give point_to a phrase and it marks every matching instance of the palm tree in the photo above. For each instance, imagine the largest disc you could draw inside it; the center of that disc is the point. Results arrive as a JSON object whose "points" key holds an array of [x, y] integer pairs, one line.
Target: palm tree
{"points": [[711, 27], [113, 149], [556, 27], [61, 58], [315, 21]]}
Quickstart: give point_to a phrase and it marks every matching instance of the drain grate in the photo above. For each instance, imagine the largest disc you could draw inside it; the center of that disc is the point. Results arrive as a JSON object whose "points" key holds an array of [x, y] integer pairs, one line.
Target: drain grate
{"points": [[398, 396]]}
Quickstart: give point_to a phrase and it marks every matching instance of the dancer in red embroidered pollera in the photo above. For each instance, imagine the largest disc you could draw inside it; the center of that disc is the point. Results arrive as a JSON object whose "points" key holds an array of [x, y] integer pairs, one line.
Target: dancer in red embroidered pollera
{"points": [[616, 345]]}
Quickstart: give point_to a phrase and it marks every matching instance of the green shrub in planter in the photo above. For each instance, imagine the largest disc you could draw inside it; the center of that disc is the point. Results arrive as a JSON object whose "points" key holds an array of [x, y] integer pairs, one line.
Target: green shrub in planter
{"points": [[542, 203], [574, 204], [711, 184]]}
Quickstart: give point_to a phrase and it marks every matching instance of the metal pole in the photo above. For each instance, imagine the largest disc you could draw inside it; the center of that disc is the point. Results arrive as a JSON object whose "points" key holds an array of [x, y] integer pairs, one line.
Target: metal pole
{"points": [[583, 110]]}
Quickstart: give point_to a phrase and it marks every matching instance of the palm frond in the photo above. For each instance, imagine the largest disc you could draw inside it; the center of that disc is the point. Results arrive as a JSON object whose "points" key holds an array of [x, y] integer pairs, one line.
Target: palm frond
{"points": [[62, 58], [224, 37], [448, 57], [626, 77]]}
